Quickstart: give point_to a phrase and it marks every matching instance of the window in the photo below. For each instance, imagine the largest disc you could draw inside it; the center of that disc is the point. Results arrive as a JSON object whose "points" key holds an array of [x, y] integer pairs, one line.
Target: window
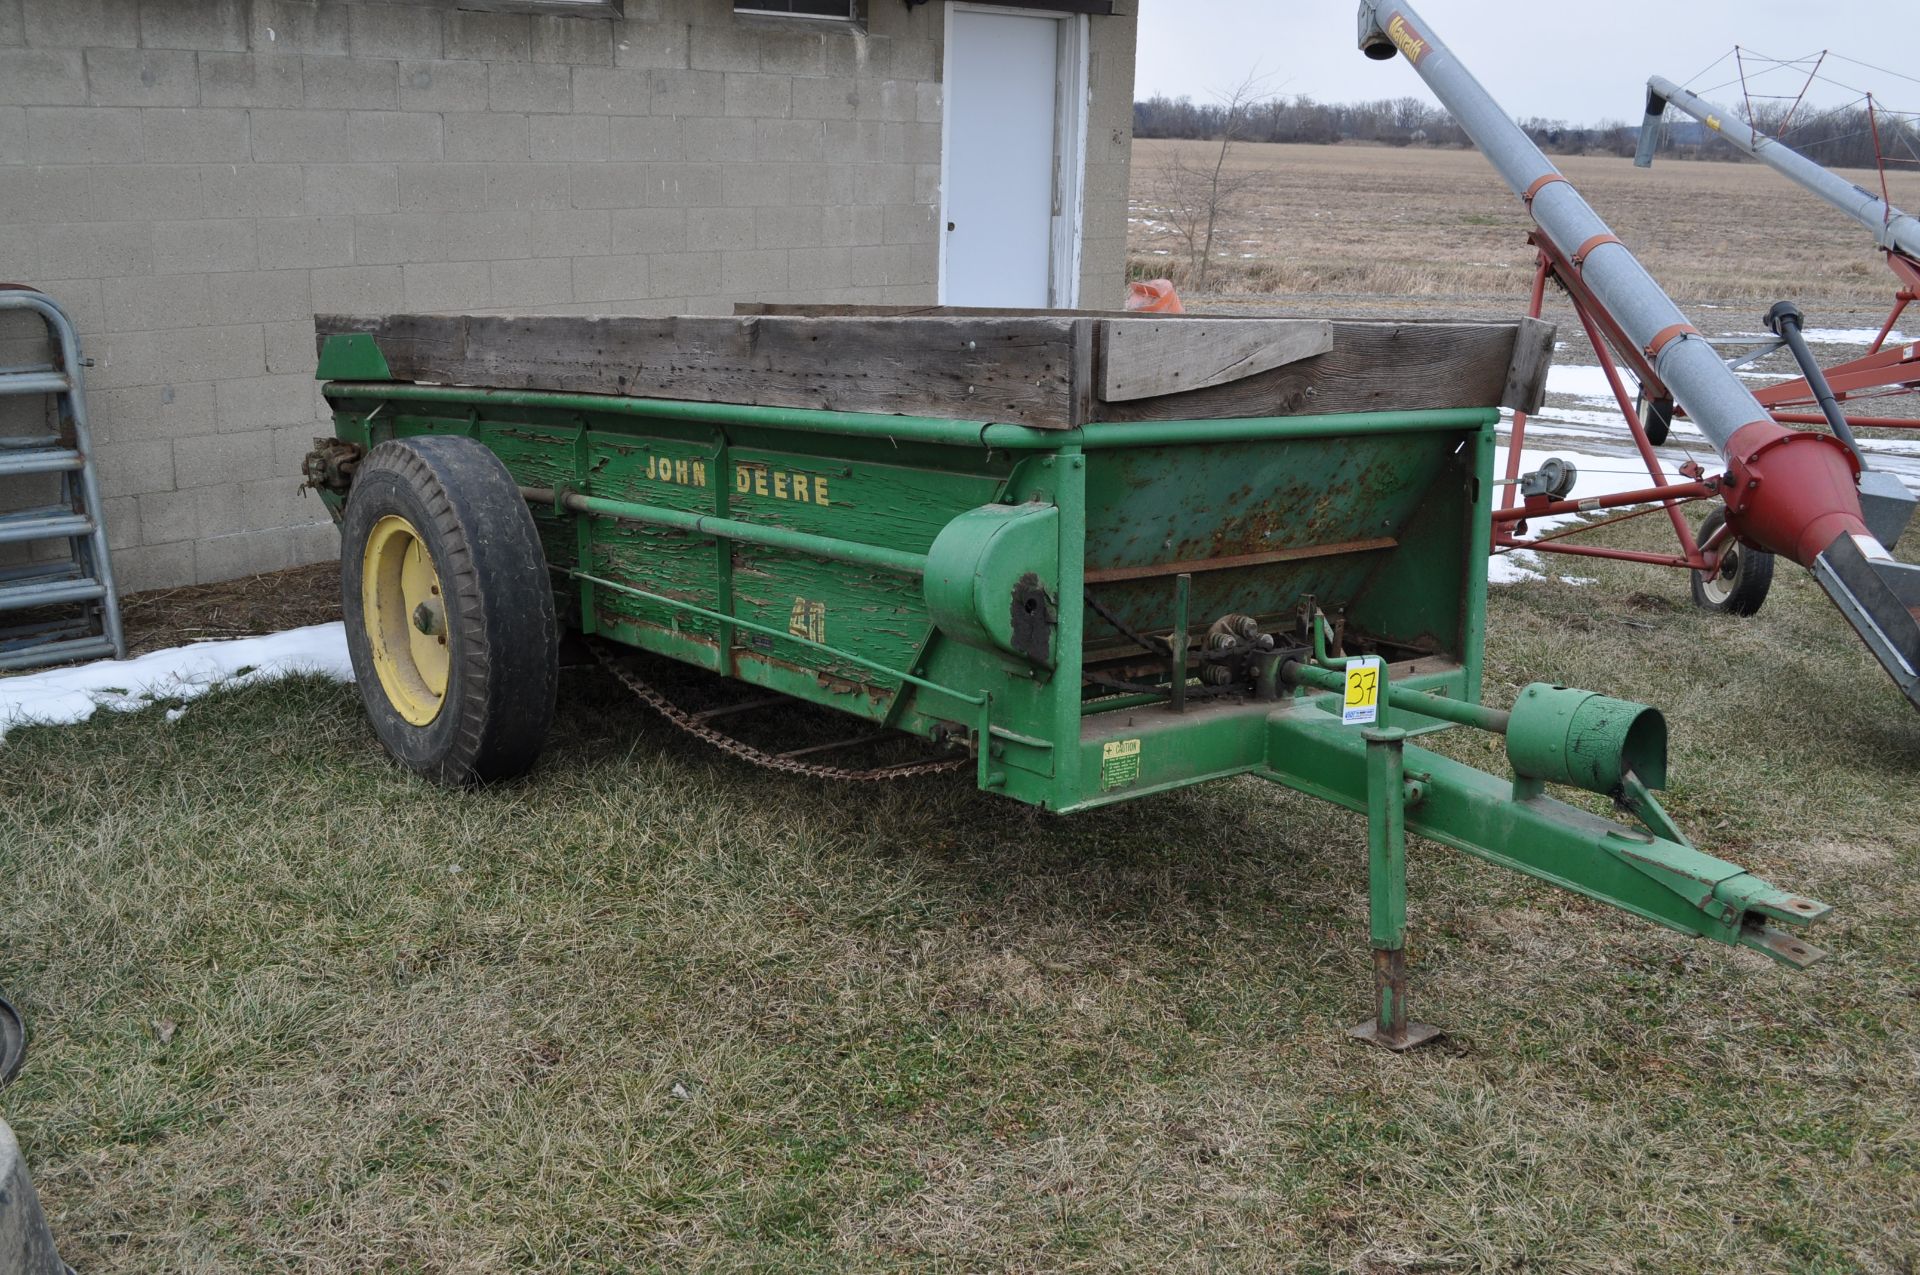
{"points": [[836, 10]]}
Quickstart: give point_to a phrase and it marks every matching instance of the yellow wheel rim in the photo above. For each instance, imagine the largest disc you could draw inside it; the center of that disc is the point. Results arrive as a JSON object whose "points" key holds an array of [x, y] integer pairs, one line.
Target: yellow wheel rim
{"points": [[406, 619]]}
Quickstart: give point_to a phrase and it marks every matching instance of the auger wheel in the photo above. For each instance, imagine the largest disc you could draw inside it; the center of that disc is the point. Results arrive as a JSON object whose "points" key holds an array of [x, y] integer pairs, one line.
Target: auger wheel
{"points": [[1745, 576]]}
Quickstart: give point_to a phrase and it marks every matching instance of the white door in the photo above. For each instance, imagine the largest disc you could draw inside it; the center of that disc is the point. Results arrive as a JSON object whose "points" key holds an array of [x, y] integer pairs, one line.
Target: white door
{"points": [[1009, 212]]}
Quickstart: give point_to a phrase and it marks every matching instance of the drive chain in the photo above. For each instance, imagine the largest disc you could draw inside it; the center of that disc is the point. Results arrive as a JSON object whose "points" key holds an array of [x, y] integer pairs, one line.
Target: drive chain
{"points": [[726, 743]]}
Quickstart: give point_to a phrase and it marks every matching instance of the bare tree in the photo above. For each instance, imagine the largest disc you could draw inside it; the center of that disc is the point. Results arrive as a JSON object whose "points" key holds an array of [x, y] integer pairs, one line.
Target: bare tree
{"points": [[1197, 197]]}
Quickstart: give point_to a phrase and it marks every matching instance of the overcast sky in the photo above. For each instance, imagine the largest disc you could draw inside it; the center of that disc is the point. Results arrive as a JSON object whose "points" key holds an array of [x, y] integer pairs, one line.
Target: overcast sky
{"points": [[1581, 62]]}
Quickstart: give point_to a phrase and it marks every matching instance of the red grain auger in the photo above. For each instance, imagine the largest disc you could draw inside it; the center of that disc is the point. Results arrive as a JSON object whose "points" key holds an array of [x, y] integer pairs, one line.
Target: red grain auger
{"points": [[1799, 494]]}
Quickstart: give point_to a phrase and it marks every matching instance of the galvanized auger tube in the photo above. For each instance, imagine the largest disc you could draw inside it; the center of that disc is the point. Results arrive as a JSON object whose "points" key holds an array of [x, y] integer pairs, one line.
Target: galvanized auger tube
{"points": [[1791, 493], [1883, 497], [1891, 228]]}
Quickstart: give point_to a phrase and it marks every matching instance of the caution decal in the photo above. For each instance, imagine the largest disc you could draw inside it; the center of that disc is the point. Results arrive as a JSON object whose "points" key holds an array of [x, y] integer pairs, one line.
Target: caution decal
{"points": [[1119, 762]]}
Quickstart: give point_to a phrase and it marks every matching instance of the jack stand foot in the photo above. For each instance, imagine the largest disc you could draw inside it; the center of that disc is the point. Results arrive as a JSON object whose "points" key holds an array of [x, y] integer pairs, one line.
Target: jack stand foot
{"points": [[1389, 1027], [1412, 1036]]}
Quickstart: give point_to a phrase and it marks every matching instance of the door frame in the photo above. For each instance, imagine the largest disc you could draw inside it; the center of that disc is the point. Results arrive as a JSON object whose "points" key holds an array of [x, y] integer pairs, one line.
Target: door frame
{"points": [[1072, 92]]}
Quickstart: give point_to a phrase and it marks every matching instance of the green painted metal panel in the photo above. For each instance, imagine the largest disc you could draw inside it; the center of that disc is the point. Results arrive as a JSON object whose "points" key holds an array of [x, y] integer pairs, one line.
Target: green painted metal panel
{"points": [[352, 356], [1431, 591], [674, 473], [1260, 524], [1259, 513]]}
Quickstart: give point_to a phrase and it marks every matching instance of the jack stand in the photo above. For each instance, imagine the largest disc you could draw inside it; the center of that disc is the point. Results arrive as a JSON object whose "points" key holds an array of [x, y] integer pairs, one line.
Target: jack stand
{"points": [[1387, 895]]}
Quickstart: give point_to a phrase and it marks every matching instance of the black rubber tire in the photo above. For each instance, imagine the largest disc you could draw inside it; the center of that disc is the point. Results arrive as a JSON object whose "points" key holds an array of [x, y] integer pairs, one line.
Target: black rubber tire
{"points": [[1745, 577], [1658, 420], [13, 1042], [502, 642]]}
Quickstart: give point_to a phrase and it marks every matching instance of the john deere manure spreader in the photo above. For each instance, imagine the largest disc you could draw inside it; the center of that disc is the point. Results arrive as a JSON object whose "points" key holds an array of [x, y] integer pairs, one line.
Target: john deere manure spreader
{"points": [[1089, 558]]}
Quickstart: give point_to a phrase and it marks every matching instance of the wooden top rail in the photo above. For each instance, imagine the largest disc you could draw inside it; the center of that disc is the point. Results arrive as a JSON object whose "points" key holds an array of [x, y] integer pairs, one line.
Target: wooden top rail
{"points": [[1045, 369]]}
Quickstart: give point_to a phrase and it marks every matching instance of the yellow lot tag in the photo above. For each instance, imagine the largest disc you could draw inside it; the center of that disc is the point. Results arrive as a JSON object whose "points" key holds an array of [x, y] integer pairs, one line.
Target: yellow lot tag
{"points": [[1119, 762], [1363, 691]]}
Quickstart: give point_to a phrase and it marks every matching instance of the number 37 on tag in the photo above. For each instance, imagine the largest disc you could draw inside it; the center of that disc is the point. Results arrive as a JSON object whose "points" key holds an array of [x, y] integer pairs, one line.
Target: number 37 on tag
{"points": [[1362, 707]]}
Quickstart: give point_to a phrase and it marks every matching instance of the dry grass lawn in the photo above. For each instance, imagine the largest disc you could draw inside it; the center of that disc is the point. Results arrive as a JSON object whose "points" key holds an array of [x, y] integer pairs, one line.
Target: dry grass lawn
{"points": [[654, 1010]]}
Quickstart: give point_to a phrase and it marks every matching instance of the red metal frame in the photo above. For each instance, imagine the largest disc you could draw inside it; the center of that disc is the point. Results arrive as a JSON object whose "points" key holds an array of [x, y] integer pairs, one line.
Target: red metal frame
{"points": [[1884, 370], [1608, 342]]}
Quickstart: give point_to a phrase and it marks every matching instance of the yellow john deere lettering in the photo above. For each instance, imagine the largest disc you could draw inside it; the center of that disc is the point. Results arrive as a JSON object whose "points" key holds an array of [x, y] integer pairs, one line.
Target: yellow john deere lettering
{"points": [[1414, 46], [681, 472], [781, 484]]}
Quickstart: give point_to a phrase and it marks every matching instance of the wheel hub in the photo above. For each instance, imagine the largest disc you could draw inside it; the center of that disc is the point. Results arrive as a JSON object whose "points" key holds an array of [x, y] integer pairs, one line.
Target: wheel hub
{"points": [[405, 617], [1719, 585]]}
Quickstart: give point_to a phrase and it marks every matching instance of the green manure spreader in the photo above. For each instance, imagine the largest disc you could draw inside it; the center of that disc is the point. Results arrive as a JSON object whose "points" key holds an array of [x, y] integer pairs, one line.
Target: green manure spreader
{"points": [[1086, 558]]}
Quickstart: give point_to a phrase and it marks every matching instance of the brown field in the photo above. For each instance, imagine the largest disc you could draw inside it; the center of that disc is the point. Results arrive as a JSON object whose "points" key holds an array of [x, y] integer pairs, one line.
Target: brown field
{"points": [[1386, 227]]}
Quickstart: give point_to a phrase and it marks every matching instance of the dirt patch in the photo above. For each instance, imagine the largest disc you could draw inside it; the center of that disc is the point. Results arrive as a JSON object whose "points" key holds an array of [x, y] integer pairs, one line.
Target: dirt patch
{"points": [[268, 603]]}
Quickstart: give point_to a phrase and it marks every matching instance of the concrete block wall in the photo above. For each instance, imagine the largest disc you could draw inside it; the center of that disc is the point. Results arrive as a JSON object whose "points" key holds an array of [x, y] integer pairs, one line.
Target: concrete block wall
{"points": [[194, 179], [1103, 230]]}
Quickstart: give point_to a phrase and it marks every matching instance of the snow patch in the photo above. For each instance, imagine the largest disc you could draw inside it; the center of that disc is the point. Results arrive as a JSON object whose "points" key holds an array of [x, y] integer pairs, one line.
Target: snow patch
{"points": [[1585, 381], [1513, 567], [1848, 336], [1822, 336], [1588, 383], [62, 696]]}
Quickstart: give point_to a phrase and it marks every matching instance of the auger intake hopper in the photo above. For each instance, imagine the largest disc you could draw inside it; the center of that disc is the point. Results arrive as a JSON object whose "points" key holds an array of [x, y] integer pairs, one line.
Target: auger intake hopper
{"points": [[1881, 600]]}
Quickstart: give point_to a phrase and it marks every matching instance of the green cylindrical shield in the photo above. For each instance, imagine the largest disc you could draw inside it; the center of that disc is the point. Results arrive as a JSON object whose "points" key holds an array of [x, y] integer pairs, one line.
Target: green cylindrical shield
{"points": [[1586, 739]]}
